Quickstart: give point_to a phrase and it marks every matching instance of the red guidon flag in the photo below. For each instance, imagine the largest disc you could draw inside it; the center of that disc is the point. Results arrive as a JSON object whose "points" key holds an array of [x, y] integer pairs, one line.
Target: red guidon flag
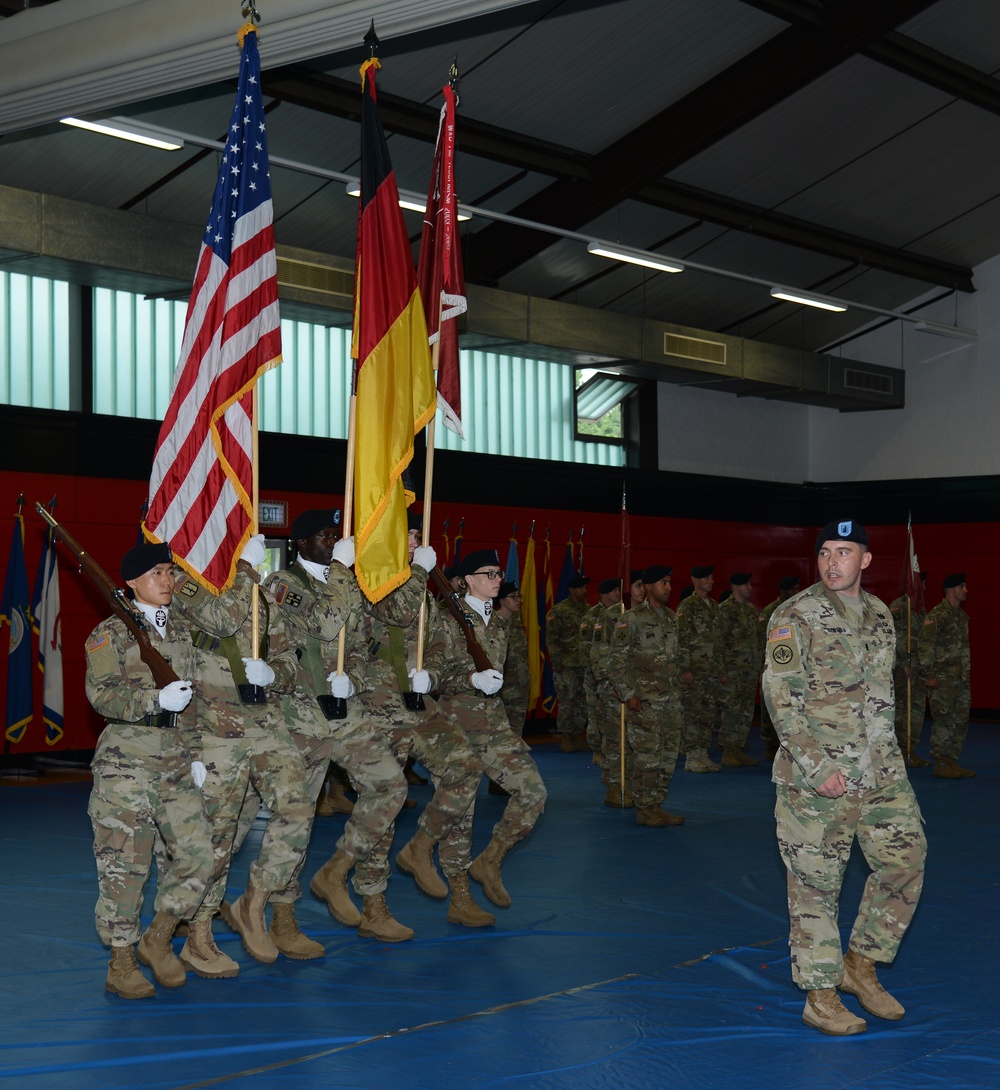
{"points": [[201, 488], [442, 282], [394, 380]]}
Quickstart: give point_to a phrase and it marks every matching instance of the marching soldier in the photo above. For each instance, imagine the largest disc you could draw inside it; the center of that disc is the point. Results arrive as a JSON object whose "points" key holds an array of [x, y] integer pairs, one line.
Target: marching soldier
{"points": [[742, 648]]}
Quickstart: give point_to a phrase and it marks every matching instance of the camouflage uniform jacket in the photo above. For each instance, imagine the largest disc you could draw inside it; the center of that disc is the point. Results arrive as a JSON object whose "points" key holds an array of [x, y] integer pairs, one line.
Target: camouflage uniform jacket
{"points": [[828, 686], [944, 643], [700, 647], [588, 625], [449, 664], [900, 611], [642, 656], [516, 679], [562, 633], [217, 701], [740, 637]]}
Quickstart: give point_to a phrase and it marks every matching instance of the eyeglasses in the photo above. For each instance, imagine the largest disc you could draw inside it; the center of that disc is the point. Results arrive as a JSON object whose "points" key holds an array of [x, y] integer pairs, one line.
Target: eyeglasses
{"points": [[490, 574]]}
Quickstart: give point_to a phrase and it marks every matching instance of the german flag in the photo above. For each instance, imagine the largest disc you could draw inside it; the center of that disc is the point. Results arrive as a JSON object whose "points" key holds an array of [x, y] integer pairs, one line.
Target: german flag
{"points": [[394, 379]]}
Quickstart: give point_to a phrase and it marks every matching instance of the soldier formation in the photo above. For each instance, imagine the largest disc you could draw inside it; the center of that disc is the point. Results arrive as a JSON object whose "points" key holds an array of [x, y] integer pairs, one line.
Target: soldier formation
{"points": [[265, 704]]}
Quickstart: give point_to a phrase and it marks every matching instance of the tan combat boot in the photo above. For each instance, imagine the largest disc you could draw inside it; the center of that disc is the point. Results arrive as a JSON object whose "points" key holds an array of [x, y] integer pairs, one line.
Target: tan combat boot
{"points": [[377, 922], [154, 950], [655, 818], [734, 757], [825, 1012], [200, 954], [329, 884], [124, 977], [288, 938], [462, 908], [486, 870], [914, 761], [860, 980], [947, 768], [417, 858], [248, 921], [699, 761]]}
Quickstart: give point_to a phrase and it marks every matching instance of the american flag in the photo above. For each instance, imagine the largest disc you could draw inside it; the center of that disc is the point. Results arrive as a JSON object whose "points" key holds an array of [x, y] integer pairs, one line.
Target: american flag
{"points": [[201, 488]]}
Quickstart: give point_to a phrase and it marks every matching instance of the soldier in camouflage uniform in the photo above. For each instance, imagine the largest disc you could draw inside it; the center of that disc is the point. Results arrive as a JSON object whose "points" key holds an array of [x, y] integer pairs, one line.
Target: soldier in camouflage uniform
{"points": [[609, 593], [244, 744], [562, 638], [516, 679], [698, 620], [907, 677], [787, 586], [318, 596], [145, 781], [643, 669], [944, 663], [467, 697], [742, 649], [839, 775]]}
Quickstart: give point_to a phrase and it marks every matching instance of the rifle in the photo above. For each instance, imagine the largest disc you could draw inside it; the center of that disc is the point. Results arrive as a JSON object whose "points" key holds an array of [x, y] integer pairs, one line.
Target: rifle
{"points": [[479, 657], [132, 618]]}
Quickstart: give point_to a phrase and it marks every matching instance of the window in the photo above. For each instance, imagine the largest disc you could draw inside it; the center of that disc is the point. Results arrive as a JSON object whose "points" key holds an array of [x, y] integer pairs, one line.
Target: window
{"points": [[35, 342]]}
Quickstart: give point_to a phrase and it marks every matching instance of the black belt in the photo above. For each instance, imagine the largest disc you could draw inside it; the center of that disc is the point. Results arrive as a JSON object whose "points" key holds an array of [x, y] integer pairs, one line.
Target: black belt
{"points": [[150, 719]]}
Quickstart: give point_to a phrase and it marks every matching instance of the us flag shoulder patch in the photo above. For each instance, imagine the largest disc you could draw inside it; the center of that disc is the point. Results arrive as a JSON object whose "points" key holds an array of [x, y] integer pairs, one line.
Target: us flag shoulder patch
{"points": [[97, 643], [783, 632]]}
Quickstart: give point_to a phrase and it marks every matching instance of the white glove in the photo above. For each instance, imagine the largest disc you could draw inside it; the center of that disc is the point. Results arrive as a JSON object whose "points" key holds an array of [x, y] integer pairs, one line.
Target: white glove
{"points": [[175, 697], [341, 685], [426, 557], [258, 672], [254, 552], [420, 680], [199, 773], [343, 551], [487, 681]]}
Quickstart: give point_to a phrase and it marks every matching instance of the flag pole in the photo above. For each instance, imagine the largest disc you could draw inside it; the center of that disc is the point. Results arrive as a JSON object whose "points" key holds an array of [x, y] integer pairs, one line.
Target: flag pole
{"points": [[624, 565], [255, 499], [425, 532], [340, 706]]}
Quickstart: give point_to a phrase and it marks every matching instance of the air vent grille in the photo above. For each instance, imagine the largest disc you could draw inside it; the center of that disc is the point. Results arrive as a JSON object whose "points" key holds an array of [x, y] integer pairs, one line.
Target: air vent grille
{"points": [[694, 348], [870, 382], [321, 278]]}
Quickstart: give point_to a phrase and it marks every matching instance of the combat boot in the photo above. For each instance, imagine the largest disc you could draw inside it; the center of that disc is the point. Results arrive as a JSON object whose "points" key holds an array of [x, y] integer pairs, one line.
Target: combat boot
{"points": [[860, 980], [124, 978], [947, 768], [699, 761], [734, 757], [154, 950], [200, 954], [825, 1012], [656, 818], [329, 884], [377, 922], [913, 761], [462, 908], [250, 925], [288, 938], [486, 870], [337, 798], [417, 858]]}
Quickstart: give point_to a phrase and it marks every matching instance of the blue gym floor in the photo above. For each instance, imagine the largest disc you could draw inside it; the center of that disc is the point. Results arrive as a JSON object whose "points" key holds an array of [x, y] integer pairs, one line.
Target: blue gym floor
{"points": [[631, 957]]}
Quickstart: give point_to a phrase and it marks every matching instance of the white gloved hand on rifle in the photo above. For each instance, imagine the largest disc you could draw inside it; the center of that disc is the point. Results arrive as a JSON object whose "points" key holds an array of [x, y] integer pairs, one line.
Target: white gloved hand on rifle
{"points": [[176, 696], [487, 681]]}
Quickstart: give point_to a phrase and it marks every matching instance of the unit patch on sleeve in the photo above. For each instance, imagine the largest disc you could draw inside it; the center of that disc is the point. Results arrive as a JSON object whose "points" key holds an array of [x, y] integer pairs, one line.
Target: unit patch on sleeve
{"points": [[187, 586], [101, 657], [285, 596], [782, 650]]}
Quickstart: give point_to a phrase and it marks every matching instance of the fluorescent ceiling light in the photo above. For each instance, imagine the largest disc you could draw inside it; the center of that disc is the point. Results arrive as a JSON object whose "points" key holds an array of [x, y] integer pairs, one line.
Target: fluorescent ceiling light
{"points": [[634, 257], [410, 201], [954, 331], [126, 129], [807, 299]]}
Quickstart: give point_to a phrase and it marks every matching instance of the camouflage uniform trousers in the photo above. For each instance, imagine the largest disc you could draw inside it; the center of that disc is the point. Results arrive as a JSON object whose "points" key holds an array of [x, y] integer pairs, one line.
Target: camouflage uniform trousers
{"points": [[266, 758], [593, 712], [445, 752], [653, 737], [698, 701], [918, 707], [814, 837], [609, 720], [951, 701], [506, 759], [143, 787], [572, 700], [736, 701]]}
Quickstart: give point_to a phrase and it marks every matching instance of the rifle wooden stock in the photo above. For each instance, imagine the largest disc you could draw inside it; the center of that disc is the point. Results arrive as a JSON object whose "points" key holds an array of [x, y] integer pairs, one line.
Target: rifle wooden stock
{"points": [[131, 617], [479, 657]]}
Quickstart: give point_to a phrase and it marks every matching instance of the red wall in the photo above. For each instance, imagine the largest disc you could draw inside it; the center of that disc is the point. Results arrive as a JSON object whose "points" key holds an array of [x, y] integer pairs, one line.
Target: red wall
{"points": [[103, 514]]}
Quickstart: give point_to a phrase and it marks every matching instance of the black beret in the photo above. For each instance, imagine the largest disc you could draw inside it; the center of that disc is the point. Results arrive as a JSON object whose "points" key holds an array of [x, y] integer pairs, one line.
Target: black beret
{"points": [[686, 592], [311, 522], [450, 572], [468, 564], [845, 530], [414, 520], [786, 582], [655, 572], [579, 581], [738, 578], [634, 577], [955, 580], [507, 588], [606, 586], [143, 558], [703, 572]]}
